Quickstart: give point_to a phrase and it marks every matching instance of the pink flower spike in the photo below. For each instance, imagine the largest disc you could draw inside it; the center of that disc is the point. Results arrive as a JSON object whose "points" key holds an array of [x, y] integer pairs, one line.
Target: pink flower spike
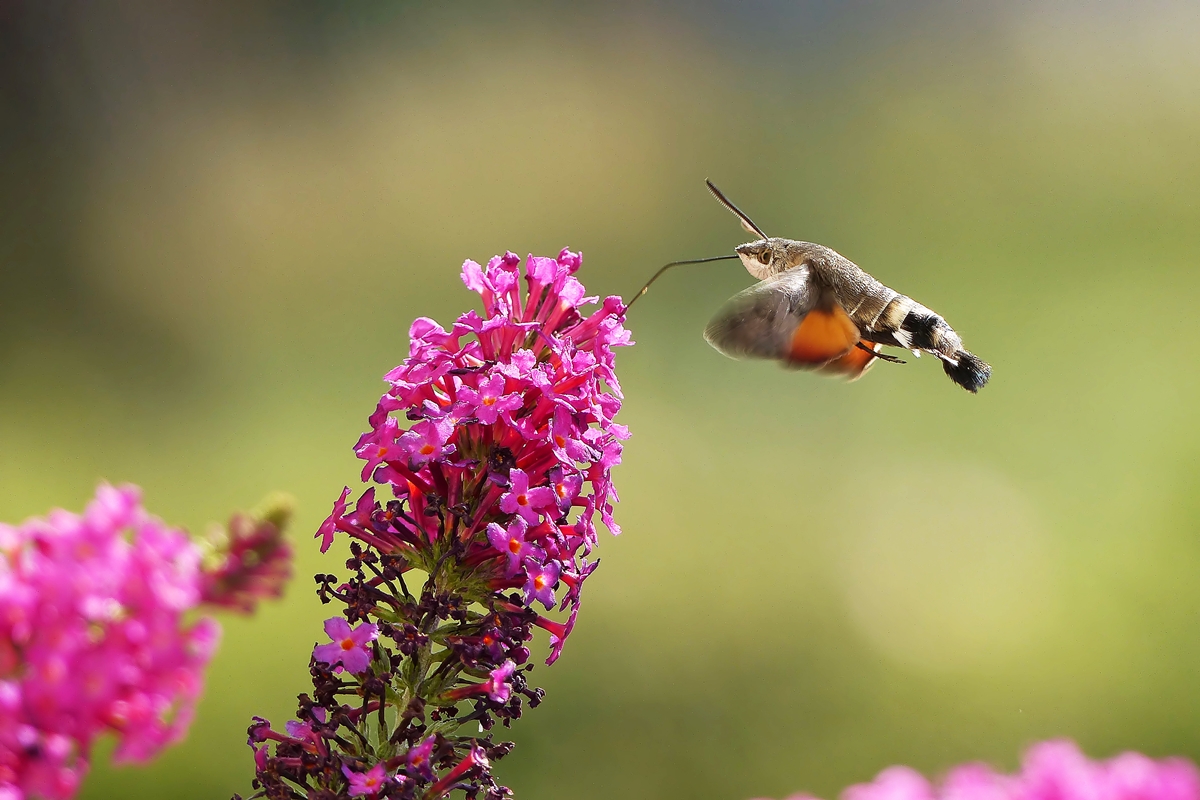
{"points": [[540, 581], [366, 784], [520, 499], [100, 631], [350, 648], [511, 542], [490, 453]]}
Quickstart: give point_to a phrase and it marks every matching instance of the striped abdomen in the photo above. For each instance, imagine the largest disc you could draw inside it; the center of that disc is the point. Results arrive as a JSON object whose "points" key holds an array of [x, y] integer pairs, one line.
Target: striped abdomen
{"points": [[887, 317]]}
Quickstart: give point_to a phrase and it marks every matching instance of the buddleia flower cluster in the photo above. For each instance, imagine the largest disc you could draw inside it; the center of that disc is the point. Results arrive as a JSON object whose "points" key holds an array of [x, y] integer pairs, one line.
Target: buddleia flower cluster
{"points": [[98, 631], [489, 459], [1054, 770]]}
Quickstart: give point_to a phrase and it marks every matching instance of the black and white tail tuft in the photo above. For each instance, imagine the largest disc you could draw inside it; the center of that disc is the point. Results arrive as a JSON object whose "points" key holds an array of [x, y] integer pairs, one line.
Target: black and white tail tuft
{"points": [[967, 370]]}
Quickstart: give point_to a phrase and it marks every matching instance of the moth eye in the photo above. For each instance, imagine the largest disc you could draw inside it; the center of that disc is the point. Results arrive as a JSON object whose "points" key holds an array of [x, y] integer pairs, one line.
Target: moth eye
{"points": [[765, 258]]}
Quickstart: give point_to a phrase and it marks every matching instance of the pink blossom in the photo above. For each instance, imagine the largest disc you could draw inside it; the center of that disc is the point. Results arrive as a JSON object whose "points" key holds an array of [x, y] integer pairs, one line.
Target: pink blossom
{"points": [[426, 441], [569, 444], [379, 445], [559, 631], [350, 648], [1053, 770], [566, 486], [418, 760], [476, 759], [499, 682], [511, 541], [894, 783], [365, 784], [251, 559], [540, 581], [329, 526], [521, 499], [489, 401], [97, 634]]}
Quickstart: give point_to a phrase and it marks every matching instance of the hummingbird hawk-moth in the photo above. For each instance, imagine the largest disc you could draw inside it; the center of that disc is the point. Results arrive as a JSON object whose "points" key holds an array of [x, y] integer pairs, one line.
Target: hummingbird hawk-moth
{"points": [[815, 309]]}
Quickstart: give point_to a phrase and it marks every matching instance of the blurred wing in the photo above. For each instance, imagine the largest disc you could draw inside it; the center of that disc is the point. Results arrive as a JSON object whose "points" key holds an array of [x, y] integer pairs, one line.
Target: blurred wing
{"points": [[786, 318]]}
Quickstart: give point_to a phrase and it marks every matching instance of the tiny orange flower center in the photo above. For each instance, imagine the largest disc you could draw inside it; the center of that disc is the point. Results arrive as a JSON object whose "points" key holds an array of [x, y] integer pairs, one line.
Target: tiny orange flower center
{"points": [[488, 401], [522, 500], [381, 452], [514, 545], [560, 441], [560, 490], [540, 581], [427, 449], [348, 644]]}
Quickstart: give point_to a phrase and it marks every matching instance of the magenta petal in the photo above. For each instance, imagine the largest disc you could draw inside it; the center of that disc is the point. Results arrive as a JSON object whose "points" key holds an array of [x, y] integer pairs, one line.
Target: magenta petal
{"points": [[472, 276], [356, 660], [498, 538], [337, 628], [365, 633], [328, 653]]}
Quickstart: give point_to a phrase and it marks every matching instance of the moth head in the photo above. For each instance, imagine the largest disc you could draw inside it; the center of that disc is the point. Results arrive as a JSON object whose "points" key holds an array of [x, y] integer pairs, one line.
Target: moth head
{"points": [[763, 258]]}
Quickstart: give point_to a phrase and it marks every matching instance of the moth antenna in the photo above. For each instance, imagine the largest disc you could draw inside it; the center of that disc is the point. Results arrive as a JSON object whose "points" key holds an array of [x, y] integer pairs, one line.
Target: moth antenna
{"points": [[666, 267], [747, 223]]}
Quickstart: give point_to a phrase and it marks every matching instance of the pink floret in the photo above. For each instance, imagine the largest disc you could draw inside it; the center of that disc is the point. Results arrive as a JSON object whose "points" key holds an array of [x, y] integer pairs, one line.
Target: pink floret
{"points": [[351, 647]]}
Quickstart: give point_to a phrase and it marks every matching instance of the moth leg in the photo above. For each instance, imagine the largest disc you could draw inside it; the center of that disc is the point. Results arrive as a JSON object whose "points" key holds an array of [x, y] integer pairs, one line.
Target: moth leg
{"points": [[881, 356]]}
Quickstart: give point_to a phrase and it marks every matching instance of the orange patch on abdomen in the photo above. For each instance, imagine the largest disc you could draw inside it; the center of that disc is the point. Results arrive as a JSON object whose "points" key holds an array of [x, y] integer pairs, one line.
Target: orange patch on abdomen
{"points": [[823, 336], [853, 363]]}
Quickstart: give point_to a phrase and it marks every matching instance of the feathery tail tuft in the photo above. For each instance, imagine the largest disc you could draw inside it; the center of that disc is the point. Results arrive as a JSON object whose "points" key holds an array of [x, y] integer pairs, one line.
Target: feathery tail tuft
{"points": [[971, 372]]}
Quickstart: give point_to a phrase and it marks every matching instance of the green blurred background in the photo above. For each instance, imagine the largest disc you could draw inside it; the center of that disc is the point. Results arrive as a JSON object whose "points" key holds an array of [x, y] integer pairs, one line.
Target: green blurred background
{"points": [[218, 221]]}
